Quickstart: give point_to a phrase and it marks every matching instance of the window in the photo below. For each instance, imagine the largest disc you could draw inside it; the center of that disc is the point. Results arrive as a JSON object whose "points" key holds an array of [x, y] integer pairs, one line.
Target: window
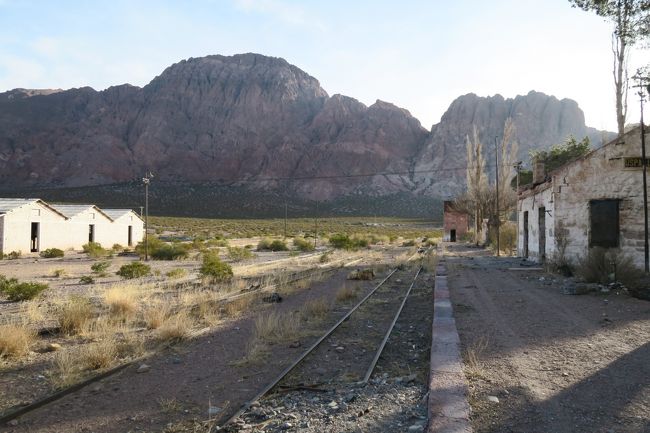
{"points": [[603, 216]]}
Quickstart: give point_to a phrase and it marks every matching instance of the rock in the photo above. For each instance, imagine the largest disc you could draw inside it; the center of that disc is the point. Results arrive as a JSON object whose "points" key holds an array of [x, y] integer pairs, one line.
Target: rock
{"points": [[143, 368], [295, 344], [416, 428], [214, 410], [340, 349], [52, 347], [286, 426], [12, 423], [493, 398], [273, 298]]}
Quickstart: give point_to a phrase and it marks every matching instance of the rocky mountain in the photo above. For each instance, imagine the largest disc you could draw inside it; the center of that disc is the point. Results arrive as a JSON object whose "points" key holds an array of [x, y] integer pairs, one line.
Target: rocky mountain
{"points": [[254, 123]]}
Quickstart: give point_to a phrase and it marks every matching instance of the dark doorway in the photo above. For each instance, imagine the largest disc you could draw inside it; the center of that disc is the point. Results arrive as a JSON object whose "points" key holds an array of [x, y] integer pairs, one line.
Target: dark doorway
{"points": [[542, 233], [35, 232], [91, 233], [452, 236], [130, 236], [526, 234]]}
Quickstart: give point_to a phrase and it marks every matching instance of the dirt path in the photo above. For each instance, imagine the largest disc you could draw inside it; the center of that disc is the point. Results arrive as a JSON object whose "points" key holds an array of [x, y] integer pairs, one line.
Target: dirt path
{"points": [[556, 363]]}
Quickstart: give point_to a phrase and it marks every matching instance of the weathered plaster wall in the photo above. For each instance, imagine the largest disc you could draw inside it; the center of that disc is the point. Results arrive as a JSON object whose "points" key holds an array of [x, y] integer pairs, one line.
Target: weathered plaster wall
{"points": [[16, 232], [531, 204], [120, 230]]}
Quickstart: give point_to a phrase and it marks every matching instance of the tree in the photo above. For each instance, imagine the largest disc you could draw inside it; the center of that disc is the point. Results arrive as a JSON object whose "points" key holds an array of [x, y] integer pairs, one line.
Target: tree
{"points": [[473, 201], [630, 19]]}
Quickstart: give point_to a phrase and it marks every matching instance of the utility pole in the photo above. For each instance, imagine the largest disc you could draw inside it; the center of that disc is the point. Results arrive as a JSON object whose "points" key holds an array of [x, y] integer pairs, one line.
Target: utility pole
{"points": [[645, 188], [285, 219], [518, 168], [316, 227], [146, 180], [496, 165]]}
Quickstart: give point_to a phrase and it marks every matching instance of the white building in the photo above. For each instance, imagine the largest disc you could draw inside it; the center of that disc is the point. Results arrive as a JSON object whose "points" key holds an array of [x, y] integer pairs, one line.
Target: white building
{"points": [[128, 227], [32, 225], [29, 225], [594, 201]]}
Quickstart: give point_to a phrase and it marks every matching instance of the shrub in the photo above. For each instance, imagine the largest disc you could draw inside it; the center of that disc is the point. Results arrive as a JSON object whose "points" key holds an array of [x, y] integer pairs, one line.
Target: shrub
{"points": [[214, 268], [99, 355], [15, 340], [343, 241], [16, 291], [237, 254], [14, 255], [303, 245], [604, 266], [176, 273], [74, 314], [409, 243], [324, 258], [175, 328], [362, 274], [51, 253], [174, 251], [316, 308], [87, 279], [58, 273], [153, 244], [346, 294], [121, 301], [117, 248], [269, 245], [134, 270], [94, 249], [507, 237], [100, 268]]}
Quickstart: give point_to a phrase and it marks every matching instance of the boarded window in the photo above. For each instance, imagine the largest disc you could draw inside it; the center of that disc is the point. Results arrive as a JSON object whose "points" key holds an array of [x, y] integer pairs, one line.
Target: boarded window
{"points": [[604, 223]]}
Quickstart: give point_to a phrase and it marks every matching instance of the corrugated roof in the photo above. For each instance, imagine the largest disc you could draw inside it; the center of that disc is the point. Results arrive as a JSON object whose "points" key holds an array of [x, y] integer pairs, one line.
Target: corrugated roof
{"points": [[118, 213], [8, 204], [71, 210]]}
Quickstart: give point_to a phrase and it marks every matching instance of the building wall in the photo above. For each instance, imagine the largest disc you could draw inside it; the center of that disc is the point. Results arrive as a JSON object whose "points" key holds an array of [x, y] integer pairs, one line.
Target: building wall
{"points": [[121, 229], [454, 220], [16, 229], [77, 229], [600, 175], [532, 204]]}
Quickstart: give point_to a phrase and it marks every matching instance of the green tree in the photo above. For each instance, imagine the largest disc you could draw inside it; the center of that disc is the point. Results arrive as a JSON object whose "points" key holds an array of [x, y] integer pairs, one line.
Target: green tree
{"points": [[630, 19]]}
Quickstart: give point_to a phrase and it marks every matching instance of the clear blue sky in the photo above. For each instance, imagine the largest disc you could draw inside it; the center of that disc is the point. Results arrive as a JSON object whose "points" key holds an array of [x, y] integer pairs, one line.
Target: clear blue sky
{"points": [[417, 54]]}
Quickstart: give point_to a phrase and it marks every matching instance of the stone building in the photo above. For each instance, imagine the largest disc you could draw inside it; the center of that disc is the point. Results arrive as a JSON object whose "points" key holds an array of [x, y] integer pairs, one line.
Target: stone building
{"points": [[593, 201], [455, 222]]}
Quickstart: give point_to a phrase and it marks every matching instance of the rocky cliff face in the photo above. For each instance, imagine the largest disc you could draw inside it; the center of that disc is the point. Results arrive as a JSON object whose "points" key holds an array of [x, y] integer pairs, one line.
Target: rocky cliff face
{"points": [[255, 122]]}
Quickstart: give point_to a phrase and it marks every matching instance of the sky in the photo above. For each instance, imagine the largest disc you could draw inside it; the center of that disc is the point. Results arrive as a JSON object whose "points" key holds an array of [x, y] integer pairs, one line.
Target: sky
{"points": [[417, 54]]}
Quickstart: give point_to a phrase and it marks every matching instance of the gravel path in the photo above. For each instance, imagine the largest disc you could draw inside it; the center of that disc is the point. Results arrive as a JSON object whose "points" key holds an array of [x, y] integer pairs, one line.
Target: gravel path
{"points": [[540, 361]]}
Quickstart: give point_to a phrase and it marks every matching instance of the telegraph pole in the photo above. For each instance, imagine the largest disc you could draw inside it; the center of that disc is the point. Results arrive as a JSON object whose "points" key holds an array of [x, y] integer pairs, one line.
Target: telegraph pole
{"points": [[645, 188], [496, 165], [518, 168], [285, 219], [316, 227], [146, 180]]}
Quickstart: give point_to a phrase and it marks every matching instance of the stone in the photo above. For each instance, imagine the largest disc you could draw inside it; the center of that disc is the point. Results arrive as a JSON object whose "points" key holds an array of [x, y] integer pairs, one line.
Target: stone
{"points": [[52, 347], [493, 398], [143, 368], [12, 423], [214, 410], [340, 349], [416, 428]]}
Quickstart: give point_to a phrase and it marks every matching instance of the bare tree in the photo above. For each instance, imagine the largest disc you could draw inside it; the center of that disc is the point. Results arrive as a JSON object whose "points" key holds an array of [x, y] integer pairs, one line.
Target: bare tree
{"points": [[508, 149], [630, 19]]}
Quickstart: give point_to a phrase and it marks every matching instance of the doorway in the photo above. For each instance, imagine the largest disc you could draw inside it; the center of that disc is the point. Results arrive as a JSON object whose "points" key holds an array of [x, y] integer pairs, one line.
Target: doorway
{"points": [[542, 233], [91, 233], [130, 236], [34, 237], [526, 234], [452, 235]]}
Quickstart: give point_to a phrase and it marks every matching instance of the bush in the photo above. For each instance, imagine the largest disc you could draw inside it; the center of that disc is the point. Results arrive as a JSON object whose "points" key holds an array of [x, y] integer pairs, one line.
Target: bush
{"points": [[16, 291], [176, 273], [134, 270], [343, 241], [324, 258], [100, 268], [14, 255], [15, 340], [51, 253], [174, 251], [269, 245], [73, 314], [87, 279], [604, 266], [409, 243], [237, 254], [214, 268], [303, 244], [58, 273], [117, 248], [94, 249]]}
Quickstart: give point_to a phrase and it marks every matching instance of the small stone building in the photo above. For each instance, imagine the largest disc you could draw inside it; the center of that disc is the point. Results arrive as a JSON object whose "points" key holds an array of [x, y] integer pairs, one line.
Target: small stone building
{"points": [[128, 227], [455, 222], [593, 201]]}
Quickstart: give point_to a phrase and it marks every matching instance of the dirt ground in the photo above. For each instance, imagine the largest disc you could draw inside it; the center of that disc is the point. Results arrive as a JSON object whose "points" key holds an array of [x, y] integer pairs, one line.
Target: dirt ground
{"points": [[184, 381], [555, 363]]}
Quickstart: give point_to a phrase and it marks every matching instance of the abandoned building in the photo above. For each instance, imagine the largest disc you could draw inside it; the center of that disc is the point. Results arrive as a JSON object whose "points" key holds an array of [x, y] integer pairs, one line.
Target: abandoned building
{"points": [[593, 201], [32, 225], [455, 222]]}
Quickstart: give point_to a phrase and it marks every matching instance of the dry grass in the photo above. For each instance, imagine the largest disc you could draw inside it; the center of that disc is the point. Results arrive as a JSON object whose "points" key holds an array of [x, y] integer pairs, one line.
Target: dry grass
{"points": [[65, 369], [236, 307], [95, 356], [155, 314], [175, 328], [316, 309], [275, 327], [346, 294], [73, 314], [34, 312], [121, 301], [15, 340], [472, 357]]}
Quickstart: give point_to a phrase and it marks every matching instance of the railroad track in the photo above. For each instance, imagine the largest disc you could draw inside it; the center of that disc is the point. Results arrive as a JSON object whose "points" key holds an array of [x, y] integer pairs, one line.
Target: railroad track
{"points": [[350, 348]]}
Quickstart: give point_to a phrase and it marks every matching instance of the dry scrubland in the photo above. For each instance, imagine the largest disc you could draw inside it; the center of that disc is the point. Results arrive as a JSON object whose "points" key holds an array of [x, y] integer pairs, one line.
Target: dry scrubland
{"points": [[89, 319]]}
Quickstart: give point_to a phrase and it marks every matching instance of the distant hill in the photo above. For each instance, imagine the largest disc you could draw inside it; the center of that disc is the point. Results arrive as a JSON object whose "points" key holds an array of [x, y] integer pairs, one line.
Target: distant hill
{"points": [[257, 125]]}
